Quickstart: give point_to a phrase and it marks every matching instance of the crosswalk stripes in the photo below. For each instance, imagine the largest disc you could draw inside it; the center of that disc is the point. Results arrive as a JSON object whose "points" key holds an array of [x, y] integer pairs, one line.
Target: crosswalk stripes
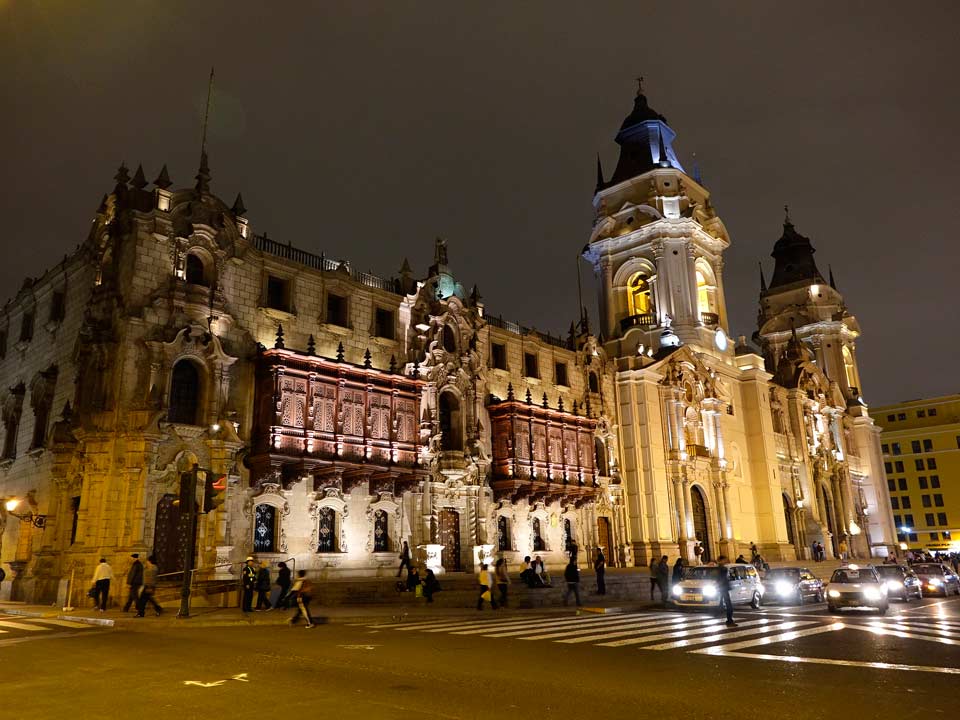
{"points": [[705, 628], [645, 632], [29, 624], [690, 642]]}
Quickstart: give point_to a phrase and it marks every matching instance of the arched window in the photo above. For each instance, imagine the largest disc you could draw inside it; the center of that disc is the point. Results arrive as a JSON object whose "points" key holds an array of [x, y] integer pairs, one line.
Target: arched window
{"points": [[184, 393], [451, 422], [638, 294], [449, 339], [381, 535], [196, 272], [328, 531], [706, 293], [503, 534], [600, 451], [594, 383], [849, 368], [538, 544]]}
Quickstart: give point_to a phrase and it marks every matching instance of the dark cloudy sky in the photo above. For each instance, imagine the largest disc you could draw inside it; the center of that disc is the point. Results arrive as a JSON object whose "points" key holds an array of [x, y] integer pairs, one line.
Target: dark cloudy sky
{"points": [[366, 129]]}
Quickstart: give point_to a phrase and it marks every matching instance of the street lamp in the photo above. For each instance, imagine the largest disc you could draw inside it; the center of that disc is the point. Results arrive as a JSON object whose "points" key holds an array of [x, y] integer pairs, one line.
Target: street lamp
{"points": [[38, 521]]}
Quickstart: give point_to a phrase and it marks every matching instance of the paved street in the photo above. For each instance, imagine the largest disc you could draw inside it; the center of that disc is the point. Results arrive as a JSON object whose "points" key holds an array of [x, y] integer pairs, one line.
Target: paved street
{"points": [[787, 662]]}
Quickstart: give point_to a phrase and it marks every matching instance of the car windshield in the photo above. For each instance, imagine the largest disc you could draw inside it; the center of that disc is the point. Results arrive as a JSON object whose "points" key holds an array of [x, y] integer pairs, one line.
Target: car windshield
{"points": [[928, 569], [782, 574], [700, 573], [846, 575], [889, 571]]}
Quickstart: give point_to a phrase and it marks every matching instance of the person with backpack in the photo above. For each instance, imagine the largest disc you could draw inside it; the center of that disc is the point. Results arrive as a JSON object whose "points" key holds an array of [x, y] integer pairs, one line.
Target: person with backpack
{"points": [[301, 592]]}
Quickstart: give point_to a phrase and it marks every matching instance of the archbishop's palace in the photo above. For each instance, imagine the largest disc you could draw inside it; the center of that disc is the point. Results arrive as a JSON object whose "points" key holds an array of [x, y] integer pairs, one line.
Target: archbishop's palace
{"points": [[341, 413]]}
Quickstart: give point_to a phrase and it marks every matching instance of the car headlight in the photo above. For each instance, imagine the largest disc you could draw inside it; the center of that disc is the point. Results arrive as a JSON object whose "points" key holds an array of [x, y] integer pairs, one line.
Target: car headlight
{"points": [[935, 582], [677, 590], [871, 593], [709, 590], [783, 588], [894, 585], [834, 593]]}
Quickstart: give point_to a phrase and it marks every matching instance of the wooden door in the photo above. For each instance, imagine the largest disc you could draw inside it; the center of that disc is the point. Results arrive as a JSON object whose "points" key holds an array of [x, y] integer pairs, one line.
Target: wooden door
{"points": [[605, 539], [450, 539]]}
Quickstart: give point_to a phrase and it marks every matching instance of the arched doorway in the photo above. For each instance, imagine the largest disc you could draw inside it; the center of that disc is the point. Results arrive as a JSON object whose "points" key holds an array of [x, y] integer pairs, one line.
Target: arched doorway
{"points": [[701, 528], [826, 509], [788, 516], [450, 539], [451, 424]]}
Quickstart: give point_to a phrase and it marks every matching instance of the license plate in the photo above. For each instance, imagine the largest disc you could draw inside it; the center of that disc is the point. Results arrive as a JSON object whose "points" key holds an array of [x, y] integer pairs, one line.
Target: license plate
{"points": [[693, 598]]}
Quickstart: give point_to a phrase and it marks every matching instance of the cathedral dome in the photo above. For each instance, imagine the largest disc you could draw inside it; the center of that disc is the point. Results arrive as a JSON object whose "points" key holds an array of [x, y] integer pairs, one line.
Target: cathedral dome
{"points": [[794, 259]]}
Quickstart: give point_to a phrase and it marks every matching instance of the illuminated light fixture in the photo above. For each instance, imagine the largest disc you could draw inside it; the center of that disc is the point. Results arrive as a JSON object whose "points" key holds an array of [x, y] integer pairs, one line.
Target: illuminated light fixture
{"points": [[904, 528], [854, 528], [422, 327], [800, 502], [650, 352], [814, 290], [215, 427], [640, 349], [11, 504], [903, 546]]}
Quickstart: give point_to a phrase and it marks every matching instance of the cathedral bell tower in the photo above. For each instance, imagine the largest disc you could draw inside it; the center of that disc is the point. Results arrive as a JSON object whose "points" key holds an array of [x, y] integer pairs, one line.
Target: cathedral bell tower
{"points": [[657, 246], [799, 298]]}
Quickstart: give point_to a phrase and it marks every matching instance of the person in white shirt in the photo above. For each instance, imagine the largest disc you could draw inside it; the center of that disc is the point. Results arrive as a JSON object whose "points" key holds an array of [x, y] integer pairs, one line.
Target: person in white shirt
{"points": [[101, 584]]}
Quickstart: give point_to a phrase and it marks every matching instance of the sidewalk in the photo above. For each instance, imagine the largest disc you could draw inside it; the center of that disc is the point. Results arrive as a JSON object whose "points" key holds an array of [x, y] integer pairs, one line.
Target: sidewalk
{"points": [[233, 617]]}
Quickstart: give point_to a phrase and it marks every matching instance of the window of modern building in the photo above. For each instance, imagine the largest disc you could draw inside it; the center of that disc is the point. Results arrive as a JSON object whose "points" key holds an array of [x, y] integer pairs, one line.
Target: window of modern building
{"points": [[913, 537], [926, 501], [891, 484], [898, 521], [905, 503], [26, 327], [923, 482], [927, 445], [931, 412], [902, 483], [934, 481], [908, 520], [901, 416], [896, 448], [895, 503], [941, 518], [928, 518], [530, 366], [945, 534], [560, 372], [934, 536], [938, 499], [888, 467], [384, 323], [498, 356], [921, 413], [899, 466], [891, 418], [336, 310], [5, 352], [278, 293], [931, 463], [886, 448], [915, 446], [918, 464]]}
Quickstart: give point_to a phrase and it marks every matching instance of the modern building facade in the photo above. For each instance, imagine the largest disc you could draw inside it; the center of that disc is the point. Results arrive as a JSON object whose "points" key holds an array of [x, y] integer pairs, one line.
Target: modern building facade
{"points": [[344, 413], [921, 454]]}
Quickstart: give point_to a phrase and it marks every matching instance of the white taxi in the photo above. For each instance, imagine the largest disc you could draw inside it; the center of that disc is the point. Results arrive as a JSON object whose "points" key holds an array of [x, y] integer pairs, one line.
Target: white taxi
{"points": [[699, 586], [857, 587]]}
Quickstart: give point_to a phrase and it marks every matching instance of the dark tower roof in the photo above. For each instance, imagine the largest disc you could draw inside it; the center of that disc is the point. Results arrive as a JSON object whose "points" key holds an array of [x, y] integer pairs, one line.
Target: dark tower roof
{"points": [[646, 142], [794, 259]]}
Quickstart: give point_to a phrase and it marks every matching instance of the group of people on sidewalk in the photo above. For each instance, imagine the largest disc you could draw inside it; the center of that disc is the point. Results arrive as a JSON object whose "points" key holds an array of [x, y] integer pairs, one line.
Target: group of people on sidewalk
{"points": [[141, 585]]}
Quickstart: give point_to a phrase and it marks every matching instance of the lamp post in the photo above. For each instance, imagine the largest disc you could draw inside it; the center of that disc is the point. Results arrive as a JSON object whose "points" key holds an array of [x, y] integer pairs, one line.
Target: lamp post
{"points": [[38, 521]]}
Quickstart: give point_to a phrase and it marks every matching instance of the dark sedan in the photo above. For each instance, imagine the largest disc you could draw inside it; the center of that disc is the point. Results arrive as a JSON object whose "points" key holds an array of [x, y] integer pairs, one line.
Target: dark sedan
{"points": [[792, 585], [937, 579], [901, 581]]}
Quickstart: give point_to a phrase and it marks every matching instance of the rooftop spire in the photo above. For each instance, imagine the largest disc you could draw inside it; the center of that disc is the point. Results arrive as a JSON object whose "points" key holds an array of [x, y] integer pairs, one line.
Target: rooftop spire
{"points": [[239, 209], [203, 175], [139, 179], [163, 179], [833, 284], [763, 282], [600, 182]]}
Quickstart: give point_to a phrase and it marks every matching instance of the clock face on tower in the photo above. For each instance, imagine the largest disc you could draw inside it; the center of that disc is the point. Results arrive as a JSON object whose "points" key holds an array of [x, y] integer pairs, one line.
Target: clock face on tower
{"points": [[720, 340]]}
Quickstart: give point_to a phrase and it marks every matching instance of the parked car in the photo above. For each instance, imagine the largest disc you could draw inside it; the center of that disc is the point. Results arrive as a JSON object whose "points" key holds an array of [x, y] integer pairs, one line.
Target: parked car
{"points": [[901, 581], [937, 579], [857, 587], [792, 585], [699, 586]]}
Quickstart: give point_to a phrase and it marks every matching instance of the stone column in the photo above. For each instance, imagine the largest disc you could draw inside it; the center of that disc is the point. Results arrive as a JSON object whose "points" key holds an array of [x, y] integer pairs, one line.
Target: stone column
{"points": [[678, 499]]}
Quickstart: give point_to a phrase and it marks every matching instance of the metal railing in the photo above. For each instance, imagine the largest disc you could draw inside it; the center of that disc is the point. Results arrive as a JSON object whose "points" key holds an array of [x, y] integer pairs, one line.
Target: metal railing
{"points": [[497, 321], [644, 320], [710, 319]]}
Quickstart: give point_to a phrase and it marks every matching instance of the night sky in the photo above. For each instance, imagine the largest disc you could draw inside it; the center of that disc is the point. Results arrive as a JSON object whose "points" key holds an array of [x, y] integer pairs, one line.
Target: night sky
{"points": [[366, 129]]}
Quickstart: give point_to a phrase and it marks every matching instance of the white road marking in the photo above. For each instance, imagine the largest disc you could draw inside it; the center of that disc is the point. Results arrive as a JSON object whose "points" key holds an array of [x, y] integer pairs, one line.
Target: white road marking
{"points": [[900, 634], [440, 625], [203, 684], [769, 640], [844, 663], [522, 628], [706, 627], [604, 627], [63, 623], [21, 626], [722, 637], [624, 632], [242, 677], [358, 647]]}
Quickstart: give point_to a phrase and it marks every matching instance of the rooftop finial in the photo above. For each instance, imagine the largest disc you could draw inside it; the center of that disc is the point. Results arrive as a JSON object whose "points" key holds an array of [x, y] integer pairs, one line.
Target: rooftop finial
{"points": [[763, 282], [203, 176], [786, 215], [639, 85]]}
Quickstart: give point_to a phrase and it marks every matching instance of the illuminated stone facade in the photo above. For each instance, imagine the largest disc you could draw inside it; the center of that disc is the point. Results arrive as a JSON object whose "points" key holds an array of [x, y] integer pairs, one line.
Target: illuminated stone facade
{"points": [[346, 413]]}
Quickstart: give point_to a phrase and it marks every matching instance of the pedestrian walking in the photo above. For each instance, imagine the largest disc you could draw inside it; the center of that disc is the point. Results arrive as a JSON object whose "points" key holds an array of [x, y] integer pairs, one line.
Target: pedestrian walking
{"points": [[574, 550], [663, 579], [150, 574], [600, 568], [486, 581], [263, 586], [404, 559], [843, 549], [503, 580], [283, 582], [134, 582], [754, 552], [653, 576], [698, 553], [572, 576], [723, 589], [101, 584], [430, 585], [248, 580], [302, 591], [677, 576]]}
